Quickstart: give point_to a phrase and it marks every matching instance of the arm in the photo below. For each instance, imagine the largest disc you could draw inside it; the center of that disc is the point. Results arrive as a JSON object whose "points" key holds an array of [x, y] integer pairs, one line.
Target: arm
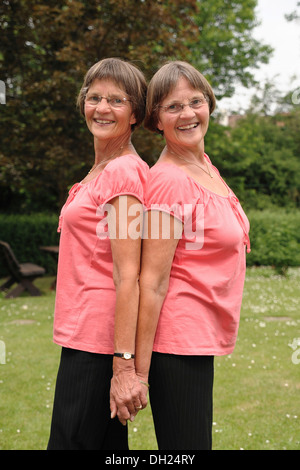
{"points": [[157, 257], [126, 248]]}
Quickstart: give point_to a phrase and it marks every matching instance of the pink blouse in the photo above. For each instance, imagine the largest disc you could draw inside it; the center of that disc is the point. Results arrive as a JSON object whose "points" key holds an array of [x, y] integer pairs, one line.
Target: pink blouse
{"points": [[200, 314], [85, 293]]}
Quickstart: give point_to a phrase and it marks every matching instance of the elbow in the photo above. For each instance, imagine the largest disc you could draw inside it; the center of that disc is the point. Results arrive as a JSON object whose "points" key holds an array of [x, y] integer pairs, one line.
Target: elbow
{"points": [[129, 278], [158, 286]]}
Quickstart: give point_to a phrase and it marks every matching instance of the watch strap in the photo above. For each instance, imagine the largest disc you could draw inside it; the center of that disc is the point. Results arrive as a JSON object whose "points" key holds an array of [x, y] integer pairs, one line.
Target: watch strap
{"points": [[125, 355]]}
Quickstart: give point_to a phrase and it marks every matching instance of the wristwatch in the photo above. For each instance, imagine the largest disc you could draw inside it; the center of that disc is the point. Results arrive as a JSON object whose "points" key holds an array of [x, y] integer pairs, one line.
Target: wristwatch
{"points": [[125, 355]]}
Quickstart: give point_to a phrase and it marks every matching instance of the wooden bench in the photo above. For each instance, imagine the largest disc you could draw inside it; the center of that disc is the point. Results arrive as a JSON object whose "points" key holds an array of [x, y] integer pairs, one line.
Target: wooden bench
{"points": [[21, 273]]}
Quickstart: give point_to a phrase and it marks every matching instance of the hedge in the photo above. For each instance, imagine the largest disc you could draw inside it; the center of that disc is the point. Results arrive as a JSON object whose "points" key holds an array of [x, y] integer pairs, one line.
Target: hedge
{"points": [[274, 235], [275, 238], [26, 234]]}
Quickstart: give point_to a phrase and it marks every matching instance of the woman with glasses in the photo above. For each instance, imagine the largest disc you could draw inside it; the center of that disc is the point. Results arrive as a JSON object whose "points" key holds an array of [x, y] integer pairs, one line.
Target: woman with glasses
{"points": [[97, 292], [193, 263]]}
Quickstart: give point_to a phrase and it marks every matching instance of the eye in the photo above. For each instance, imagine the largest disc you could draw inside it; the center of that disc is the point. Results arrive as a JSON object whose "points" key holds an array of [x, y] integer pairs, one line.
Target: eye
{"points": [[92, 99], [116, 101], [197, 102], [173, 108]]}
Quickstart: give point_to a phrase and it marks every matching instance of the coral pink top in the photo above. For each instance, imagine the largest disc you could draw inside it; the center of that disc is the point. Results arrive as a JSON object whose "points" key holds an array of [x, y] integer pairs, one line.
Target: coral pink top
{"points": [[200, 314], [85, 293]]}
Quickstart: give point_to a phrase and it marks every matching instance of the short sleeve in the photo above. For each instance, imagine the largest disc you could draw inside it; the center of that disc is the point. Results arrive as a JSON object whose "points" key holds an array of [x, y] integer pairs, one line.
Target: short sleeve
{"points": [[126, 175], [170, 190]]}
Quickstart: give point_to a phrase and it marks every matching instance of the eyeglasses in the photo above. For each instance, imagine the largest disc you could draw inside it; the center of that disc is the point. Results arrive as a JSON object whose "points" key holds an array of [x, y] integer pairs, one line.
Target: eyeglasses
{"points": [[175, 108], [113, 101]]}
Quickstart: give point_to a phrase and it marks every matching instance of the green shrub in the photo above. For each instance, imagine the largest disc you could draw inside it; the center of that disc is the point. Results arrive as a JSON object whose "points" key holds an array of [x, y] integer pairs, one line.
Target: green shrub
{"points": [[275, 239], [274, 235], [26, 234]]}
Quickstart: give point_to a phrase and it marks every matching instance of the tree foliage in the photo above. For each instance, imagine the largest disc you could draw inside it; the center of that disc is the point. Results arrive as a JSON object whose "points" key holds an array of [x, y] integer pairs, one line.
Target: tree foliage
{"points": [[47, 47], [225, 49], [260, 158]]}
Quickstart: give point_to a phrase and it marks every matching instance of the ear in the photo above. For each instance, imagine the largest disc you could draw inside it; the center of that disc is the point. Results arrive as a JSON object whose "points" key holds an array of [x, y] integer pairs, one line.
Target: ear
{"points": [[132, 119], [160, 126]]}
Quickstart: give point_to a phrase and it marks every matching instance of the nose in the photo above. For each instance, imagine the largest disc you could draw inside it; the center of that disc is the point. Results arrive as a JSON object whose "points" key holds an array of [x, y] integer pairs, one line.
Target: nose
{"points": [[103, 105], [186, 110]]}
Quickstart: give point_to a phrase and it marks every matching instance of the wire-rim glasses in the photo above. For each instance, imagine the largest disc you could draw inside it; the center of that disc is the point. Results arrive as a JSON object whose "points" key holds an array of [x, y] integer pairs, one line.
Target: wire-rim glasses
{"points": [[175, 108], [113, 101]]}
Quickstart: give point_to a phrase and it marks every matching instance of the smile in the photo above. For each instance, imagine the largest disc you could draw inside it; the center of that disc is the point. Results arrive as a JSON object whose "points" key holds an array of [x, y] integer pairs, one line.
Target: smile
{"points": [[103, 121], [188, 126]]}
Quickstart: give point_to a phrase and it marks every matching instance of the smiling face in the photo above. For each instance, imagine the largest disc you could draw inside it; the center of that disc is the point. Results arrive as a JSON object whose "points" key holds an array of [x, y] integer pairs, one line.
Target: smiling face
{"points": [[188, 127], [104, 121]]}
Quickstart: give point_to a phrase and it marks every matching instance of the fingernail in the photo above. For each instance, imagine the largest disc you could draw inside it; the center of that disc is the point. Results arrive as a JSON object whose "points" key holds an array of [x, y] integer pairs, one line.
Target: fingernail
{"points": [[132, 418]]}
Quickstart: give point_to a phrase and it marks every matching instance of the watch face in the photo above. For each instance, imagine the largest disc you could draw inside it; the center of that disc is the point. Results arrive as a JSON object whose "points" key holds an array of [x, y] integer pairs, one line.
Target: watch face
{"points": [[127, 355]]}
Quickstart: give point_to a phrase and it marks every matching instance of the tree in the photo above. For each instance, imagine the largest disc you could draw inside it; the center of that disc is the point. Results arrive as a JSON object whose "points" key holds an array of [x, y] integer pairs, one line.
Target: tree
{"points": [[295, 15], [259, 158], [46, 48], [225, 50]]}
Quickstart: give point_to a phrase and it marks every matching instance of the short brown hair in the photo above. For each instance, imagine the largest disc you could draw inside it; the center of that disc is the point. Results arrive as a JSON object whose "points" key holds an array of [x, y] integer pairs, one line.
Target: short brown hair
{"points": [[126, 75], [165, 80]]}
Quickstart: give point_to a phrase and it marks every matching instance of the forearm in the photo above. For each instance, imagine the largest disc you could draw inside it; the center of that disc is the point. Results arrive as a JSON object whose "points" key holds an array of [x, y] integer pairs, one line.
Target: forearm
{"points": [[125, 387], [151, 302], [126, 313]]}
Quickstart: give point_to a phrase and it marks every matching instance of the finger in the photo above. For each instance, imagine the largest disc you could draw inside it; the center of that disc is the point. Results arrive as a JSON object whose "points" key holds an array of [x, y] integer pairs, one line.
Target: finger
{"points": [[113, 408], [144, 400], [123, 416], [123, 421], [133, 406]]}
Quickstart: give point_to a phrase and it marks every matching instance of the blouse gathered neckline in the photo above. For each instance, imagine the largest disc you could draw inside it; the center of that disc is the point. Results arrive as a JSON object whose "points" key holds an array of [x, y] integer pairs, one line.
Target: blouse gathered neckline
{"points": [[198, 183]]}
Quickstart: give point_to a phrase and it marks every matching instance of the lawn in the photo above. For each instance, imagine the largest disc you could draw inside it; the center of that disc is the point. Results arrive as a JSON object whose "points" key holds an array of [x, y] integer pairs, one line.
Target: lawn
{"points": [[256, 393]]}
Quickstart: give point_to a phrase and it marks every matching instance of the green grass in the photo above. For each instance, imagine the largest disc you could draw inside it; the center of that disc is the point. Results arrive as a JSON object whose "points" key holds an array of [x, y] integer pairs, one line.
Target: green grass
{"points": [[256, 393]]}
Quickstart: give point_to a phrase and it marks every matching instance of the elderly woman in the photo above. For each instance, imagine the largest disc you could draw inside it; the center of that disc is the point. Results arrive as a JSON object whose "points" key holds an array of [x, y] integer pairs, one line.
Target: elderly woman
{"points": [[98, 270], [193, 263]]}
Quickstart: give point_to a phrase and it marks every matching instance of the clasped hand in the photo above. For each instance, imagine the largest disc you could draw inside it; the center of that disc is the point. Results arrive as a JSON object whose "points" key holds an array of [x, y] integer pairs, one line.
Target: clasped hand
{"points": [[127, 395]]}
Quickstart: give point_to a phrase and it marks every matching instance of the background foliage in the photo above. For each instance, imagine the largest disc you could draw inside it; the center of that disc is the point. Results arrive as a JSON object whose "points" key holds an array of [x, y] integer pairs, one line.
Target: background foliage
{"points": [[46, 49]]}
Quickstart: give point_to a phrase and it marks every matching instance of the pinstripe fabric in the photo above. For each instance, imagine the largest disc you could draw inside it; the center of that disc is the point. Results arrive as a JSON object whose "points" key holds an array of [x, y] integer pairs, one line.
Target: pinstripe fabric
{"points": [[181, 396], [81, 413]]}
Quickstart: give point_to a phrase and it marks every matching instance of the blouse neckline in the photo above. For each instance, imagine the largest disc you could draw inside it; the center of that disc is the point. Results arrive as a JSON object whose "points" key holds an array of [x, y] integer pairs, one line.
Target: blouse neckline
{"points": [[199, 184]]}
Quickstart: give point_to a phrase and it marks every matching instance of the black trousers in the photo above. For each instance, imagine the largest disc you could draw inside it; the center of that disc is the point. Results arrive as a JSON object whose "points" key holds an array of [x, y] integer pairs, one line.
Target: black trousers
{"points": [[181, 396], [81, 412]]}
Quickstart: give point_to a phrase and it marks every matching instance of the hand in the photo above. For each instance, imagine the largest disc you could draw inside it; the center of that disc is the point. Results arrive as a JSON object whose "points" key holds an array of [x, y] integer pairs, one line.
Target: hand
{"points": [[143, 379], [127, 394]]}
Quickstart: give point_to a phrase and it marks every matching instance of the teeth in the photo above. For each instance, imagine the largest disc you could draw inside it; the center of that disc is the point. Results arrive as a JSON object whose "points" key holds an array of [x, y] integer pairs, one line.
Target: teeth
{"points": [[188, 126], [101, 121]]}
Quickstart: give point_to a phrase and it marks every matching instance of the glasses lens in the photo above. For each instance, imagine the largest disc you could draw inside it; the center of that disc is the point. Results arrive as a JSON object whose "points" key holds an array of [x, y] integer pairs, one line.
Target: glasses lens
{"points": [[92, 100], [197, 103], [117, 102], [173, 108]]}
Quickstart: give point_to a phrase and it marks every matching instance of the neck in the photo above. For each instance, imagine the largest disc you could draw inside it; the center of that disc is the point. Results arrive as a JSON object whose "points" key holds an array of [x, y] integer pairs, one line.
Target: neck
{"points": [[192, 154], [191, 159], [110, 149]]}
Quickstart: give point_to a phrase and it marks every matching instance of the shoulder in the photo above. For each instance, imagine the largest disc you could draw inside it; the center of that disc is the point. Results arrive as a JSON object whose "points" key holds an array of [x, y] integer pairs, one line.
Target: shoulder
{"points": [[167, 173], [130, 163], [171, 176], [126, 170], [124, 175], [169, 184]]}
